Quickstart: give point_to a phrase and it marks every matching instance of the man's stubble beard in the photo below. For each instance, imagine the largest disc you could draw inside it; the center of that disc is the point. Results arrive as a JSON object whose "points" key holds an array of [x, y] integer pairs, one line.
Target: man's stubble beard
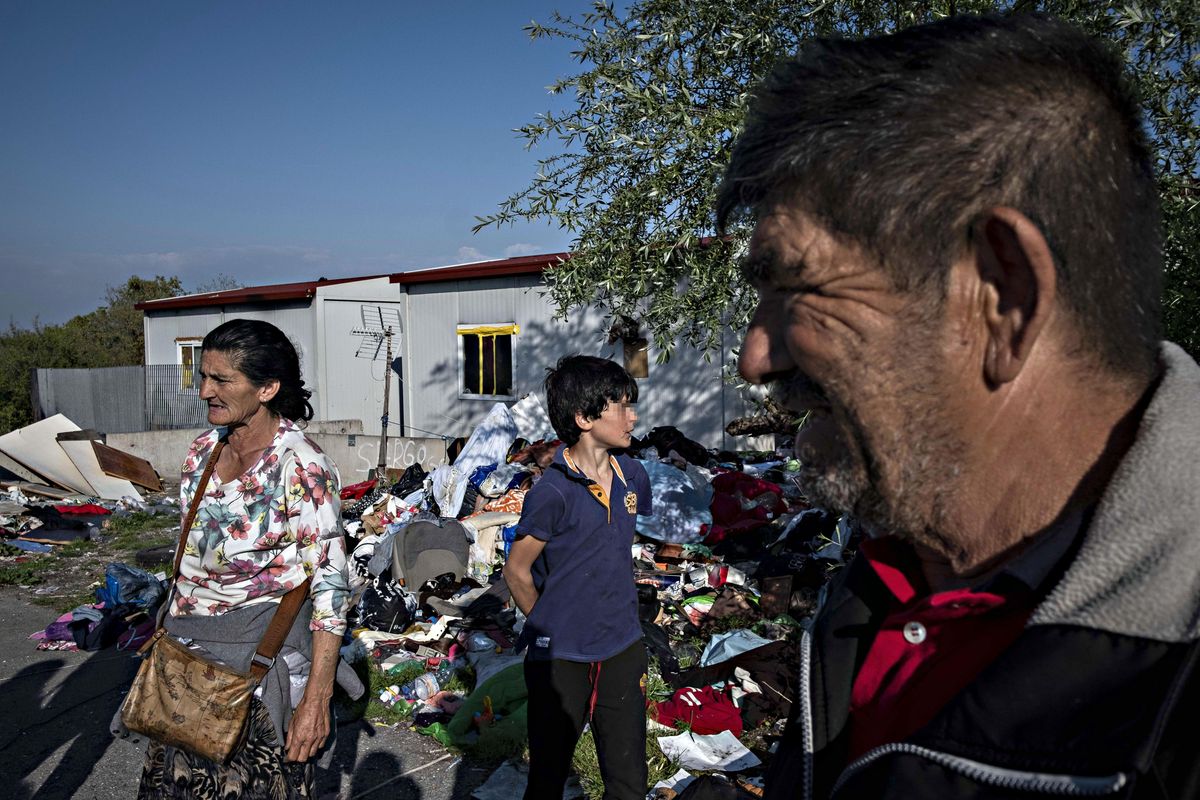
{"points": [[896, 482]]}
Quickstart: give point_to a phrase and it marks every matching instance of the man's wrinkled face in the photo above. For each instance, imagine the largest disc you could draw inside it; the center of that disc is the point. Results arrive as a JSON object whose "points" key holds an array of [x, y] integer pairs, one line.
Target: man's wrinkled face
{"points": [[842, 345]]}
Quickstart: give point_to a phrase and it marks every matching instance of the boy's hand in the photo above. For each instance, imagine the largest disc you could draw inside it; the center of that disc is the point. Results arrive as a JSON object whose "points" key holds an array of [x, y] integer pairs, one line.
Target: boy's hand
{"points": [[518, 572]]}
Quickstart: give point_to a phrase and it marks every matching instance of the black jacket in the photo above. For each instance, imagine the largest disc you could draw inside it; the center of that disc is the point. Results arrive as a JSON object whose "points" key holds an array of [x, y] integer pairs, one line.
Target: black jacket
{"points": [[1098, 695]]}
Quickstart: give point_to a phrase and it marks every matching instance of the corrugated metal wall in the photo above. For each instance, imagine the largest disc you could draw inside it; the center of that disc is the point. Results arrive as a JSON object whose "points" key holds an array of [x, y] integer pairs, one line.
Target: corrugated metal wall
{"points": [[353, 384], [686, 392], [165, 327], [120, 399], [108, 400]]}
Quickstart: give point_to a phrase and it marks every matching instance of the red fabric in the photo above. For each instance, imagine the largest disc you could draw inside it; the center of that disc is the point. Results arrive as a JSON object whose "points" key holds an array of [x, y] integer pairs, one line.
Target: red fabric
{"points": [[357, 491], [86, 508], [902, 685], [706, 710], [713, 534], [738, 496]]}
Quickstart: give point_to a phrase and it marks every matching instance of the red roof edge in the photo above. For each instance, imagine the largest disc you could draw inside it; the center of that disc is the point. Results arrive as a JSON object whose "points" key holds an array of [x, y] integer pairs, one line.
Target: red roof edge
{"points": [[522, 265], [249, 295]]}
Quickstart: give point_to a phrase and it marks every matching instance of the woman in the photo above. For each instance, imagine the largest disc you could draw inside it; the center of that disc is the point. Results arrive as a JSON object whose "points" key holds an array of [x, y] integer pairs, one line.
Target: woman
{"points": [[269, 519]]}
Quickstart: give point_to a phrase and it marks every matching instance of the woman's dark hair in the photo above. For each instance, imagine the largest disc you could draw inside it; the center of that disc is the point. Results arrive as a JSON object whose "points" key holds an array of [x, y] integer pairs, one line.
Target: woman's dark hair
{"points": [[584, 385], [263, 353]]}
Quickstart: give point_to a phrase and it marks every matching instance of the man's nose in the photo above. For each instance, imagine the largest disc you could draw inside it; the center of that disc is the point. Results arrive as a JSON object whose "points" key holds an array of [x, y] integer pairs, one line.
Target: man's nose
{"points": [[764, 355]]}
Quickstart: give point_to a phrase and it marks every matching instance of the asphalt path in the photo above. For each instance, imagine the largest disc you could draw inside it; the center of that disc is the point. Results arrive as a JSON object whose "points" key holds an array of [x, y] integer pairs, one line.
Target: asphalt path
{"points": [[55, 709]]}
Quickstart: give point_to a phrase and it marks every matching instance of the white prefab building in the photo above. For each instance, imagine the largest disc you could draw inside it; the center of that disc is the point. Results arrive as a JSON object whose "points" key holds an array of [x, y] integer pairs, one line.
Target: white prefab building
{"points": [[466, 337]]}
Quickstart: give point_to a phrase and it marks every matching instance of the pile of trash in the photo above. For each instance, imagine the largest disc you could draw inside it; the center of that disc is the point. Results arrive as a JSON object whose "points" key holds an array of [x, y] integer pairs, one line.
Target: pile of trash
{"points": [[728, 570]]}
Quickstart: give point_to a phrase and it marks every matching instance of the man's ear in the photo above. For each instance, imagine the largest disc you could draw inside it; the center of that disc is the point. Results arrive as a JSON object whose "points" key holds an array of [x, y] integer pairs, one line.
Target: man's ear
{"points": [[582, 422], [1016, 269]]}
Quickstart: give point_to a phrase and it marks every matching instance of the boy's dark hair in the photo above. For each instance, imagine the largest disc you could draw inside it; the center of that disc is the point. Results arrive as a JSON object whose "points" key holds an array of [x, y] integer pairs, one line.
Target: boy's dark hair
{"points": [[584, 385], [898, 143], [263, 353]]}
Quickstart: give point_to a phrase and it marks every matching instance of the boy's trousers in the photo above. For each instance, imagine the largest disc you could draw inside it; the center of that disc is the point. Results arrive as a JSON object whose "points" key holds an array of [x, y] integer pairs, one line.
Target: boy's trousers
{"points": [[563, 695]]}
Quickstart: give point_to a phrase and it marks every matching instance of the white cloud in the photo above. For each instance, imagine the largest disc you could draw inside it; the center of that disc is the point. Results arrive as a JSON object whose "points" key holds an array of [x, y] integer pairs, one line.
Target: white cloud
{"points": [[522, 249], [466, 254]]}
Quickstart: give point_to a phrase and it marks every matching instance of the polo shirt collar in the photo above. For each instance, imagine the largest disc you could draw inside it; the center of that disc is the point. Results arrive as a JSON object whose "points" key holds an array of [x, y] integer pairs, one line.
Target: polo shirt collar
{"points": [[563, 460], [896, 566]]}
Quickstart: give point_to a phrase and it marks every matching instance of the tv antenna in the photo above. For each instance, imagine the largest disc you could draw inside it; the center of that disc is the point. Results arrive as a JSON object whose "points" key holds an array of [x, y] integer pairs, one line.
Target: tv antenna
{"points": [[380, 324]]}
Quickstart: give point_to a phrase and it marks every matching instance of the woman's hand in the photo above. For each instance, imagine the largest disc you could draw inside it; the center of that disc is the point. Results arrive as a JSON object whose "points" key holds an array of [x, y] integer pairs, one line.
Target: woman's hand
{"points": [[310, 721], [309, 729]]}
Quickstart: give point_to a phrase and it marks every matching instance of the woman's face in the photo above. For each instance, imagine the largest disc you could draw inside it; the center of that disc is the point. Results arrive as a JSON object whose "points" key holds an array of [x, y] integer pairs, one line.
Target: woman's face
{"points": [[232, 399]]}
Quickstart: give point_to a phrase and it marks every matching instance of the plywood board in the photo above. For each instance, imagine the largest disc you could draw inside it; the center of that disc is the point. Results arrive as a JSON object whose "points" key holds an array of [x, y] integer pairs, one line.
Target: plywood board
{"points": [[18, 469], [104, 486], [120, 464], [36, 447]]}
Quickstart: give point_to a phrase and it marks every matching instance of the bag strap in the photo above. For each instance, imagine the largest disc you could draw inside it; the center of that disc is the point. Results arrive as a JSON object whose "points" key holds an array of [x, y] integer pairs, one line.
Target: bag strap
{"points": [[271, 642], [188, 518], [209, 466]]}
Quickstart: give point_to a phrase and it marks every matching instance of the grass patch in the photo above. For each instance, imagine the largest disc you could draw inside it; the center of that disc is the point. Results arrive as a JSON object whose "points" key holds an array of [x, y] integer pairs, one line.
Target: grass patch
{"points": [[140, 530], [377, 710], [63, 603], [657, 689], [587, 765], [27, 573]]}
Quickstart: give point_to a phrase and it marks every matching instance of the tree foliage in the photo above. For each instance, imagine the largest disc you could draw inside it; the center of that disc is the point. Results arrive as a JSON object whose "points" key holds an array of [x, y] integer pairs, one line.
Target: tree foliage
{"points": [[637, 157], [110, 336]]}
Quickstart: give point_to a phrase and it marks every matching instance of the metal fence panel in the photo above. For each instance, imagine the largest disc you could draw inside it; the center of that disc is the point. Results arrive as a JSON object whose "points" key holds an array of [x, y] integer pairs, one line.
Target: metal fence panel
{"points": [[173, 398], [122, 399]]}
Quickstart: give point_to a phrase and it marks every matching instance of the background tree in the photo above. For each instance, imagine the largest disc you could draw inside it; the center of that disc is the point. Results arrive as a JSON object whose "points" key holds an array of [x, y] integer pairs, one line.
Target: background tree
{"points": [[110, 336], [639, 154]]}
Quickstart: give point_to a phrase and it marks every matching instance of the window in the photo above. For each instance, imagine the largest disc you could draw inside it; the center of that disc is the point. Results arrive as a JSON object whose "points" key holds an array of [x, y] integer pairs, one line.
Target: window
{"points": [[189, 361], [487, 358]]}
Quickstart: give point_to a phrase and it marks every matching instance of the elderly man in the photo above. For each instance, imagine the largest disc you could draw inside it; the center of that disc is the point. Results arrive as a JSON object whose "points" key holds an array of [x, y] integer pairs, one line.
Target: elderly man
{"points": [[958, 263]]}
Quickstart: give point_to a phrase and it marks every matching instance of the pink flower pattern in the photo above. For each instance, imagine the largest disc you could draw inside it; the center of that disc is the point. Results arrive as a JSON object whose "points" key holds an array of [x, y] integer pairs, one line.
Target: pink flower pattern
{"points": [[255, 555]]}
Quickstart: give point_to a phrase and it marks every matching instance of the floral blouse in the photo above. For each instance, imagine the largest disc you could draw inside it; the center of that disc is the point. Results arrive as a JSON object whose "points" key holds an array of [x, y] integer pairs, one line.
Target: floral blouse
{"points": [[261, 534]]}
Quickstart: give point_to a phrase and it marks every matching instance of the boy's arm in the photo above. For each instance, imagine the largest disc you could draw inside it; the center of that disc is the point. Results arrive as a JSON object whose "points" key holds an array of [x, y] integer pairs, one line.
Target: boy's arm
{"points": [[518, 572]]}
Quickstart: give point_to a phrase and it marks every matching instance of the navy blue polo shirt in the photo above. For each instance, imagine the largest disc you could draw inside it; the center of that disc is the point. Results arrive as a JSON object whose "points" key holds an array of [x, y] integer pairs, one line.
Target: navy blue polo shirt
{"points": [[587, 606]]}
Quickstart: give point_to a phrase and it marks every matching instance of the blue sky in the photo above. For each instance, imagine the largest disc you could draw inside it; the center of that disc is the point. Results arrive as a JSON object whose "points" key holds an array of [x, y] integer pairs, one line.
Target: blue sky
{"points": [[267, 141]]}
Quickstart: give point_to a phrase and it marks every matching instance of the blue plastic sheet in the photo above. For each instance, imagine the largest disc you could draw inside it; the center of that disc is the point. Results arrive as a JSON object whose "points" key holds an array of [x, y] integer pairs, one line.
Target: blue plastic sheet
{"points": [[681, 504]]}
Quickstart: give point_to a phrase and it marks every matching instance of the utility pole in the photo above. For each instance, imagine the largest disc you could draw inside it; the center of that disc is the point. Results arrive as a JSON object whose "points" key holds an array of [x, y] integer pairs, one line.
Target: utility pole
{"points": [[387, 382]]}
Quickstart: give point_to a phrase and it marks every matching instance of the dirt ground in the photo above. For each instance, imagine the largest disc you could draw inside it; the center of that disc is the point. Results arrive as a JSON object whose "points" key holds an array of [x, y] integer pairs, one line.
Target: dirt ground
{"points": [[67, 576]]}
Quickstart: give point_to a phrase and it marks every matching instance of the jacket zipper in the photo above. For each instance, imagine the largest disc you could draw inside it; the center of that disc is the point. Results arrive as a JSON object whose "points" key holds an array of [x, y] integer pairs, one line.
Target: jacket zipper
{"points": [[1046, 783], [806, 719]]}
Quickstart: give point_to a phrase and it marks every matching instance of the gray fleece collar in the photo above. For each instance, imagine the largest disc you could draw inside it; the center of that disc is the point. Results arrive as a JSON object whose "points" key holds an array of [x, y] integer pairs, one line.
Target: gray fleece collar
{"points": [[1137, 572]]}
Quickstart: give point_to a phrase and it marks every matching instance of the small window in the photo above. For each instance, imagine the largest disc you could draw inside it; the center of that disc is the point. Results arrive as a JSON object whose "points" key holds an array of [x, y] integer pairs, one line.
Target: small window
{"points": [[189, 362], [487, 359]]}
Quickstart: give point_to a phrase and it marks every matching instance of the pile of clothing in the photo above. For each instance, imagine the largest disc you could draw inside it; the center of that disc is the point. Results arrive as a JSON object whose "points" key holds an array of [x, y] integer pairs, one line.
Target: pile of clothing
{"points": [[727, 567]]}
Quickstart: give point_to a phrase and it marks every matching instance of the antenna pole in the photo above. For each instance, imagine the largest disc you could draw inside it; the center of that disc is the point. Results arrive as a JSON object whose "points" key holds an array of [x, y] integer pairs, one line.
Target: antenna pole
{"points": [[387, 383]]}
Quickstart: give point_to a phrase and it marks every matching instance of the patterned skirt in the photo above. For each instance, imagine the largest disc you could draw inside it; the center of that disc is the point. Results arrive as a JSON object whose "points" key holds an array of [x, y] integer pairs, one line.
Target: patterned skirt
{"points": [[259, 771]]}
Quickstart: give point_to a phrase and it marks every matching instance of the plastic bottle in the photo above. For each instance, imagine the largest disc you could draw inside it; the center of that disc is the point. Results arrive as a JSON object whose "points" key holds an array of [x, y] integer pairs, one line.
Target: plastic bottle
{"points": [[390, 696], [421, 688], [480, 642]]}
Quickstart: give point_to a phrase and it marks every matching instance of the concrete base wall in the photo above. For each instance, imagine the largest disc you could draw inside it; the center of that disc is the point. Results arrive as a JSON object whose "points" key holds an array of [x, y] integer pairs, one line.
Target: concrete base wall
{"points": [[355, 453]]}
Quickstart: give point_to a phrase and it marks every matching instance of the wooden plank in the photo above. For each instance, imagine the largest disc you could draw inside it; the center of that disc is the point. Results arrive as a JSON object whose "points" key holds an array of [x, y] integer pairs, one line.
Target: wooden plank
{"points": [[103, 485], [120, 464]]}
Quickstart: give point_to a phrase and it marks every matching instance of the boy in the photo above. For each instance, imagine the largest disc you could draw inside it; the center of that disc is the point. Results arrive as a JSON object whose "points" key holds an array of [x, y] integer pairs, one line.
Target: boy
{"points": [[571, 572]]}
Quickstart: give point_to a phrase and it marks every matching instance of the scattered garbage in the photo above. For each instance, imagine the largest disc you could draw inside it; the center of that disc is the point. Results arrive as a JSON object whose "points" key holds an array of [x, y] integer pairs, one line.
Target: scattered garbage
{"points": [[72, 460], [728, 568]]}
